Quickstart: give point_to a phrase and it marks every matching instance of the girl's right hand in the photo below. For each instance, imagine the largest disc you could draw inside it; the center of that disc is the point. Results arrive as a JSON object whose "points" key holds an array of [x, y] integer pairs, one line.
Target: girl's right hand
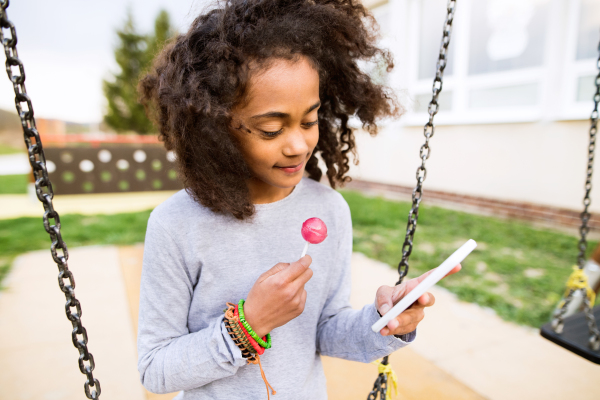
{"points": [[278, 296]]}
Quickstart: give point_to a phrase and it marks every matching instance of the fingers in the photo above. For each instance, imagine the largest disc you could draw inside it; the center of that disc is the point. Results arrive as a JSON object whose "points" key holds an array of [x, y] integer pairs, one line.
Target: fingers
{"points": [[405, 322], [426, 300], [384, 299], [454, 270], [279, 267], [409, 319], [296, 269], [289, 271], [420, 279]]}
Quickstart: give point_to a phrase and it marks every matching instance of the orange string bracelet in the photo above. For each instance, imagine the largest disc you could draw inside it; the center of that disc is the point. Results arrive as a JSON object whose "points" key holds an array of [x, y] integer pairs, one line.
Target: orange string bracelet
{"points": [[236, 327], [255, 358], [245, 352]]}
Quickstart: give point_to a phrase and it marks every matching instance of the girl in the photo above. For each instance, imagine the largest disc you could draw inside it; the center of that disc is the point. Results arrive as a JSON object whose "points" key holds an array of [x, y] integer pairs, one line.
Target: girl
{"points": [[247, 99]]}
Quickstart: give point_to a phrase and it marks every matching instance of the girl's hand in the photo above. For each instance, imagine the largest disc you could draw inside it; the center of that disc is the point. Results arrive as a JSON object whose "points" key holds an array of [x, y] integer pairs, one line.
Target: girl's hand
{"points": [[278, 296], [406, 322]]}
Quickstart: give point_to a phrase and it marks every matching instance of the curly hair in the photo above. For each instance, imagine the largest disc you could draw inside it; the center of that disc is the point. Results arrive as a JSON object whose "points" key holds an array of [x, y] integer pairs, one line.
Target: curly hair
{"points": [[200, 76]]}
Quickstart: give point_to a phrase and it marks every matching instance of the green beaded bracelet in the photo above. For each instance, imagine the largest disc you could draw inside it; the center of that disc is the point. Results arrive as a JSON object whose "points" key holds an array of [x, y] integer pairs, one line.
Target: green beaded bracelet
{"points": [[267, 344]]}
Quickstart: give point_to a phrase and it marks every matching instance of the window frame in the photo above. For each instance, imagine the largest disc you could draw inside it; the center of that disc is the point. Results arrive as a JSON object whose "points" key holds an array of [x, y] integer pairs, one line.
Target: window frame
{"points": [[557, 76]]}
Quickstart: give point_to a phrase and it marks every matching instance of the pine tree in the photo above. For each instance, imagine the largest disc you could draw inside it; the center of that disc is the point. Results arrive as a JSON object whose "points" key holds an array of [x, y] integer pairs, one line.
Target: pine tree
{"points": [[134, 56], [162, 33]]}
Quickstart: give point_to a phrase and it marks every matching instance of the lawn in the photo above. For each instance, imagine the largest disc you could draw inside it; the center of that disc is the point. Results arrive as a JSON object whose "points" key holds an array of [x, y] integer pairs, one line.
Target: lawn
{"points": [[5, 149], [20, 235], [13, 184], [517, 270]]}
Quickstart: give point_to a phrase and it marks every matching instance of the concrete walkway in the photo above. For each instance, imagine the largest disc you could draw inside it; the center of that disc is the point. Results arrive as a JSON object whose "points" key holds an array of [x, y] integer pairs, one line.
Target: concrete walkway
{"points": [[23, 205], [462, 351]]}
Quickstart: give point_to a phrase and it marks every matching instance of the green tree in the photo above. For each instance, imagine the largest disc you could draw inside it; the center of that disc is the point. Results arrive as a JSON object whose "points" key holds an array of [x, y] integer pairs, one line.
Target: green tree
{"points": [[162, 33], [133, 55]]}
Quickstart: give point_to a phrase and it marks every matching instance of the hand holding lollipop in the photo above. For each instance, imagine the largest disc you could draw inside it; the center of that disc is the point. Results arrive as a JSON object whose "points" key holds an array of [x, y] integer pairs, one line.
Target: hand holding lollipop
{"points": [[313, 231]]}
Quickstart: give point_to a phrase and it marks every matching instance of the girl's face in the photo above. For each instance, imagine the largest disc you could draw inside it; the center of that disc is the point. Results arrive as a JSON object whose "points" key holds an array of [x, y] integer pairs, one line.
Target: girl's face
{"points": [[277, 127]]}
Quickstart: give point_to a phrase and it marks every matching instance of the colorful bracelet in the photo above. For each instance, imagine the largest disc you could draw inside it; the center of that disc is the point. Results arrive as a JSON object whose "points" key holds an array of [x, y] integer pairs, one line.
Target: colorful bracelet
{"points": [[241, 338], [245, 352], [257, 347], [234, 328], [245, 324], [238, 331]]}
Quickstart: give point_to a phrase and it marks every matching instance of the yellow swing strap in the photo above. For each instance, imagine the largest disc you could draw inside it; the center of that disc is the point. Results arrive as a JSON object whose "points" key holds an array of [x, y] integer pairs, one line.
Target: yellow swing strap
{"points": [[579, 280], [392, 378]]}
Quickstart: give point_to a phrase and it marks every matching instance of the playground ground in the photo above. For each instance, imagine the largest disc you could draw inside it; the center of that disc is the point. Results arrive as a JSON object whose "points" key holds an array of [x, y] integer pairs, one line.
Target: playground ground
{"points": [[462, 351]]}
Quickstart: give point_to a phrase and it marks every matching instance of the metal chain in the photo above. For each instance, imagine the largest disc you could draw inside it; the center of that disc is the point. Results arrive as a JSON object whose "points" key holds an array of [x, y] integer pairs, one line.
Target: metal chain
{"points": [[425, 151], [585, 215], [380, 385], [44, 192], [558, 320]]}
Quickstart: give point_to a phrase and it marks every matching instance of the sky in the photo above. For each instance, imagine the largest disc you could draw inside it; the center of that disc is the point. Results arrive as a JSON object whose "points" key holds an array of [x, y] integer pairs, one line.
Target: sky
{"points": [[67, 49]]}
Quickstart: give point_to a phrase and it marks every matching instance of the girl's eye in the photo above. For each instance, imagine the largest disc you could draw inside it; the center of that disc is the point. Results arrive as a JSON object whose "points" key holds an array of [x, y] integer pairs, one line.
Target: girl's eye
{"points": [[272, 134]]}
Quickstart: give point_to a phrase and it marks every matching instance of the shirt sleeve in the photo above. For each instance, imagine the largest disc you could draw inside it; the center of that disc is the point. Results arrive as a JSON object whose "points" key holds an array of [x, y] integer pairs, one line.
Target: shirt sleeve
{"points": [[170, 357], [343, 332]]}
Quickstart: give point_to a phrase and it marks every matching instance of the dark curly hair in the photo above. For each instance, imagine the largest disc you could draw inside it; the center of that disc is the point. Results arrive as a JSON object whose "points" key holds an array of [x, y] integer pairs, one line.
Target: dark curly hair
{"points": [[201, 75]]}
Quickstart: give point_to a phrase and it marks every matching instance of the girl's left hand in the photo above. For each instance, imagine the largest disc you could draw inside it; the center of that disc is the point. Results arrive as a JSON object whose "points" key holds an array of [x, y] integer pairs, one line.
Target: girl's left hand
{"points": [[407, 321]]}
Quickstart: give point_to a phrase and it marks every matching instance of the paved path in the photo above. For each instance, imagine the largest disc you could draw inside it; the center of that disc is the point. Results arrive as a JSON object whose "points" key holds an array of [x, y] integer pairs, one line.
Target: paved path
{"points": [[462, 351], [22, 205], [37, 358], [497, 359]]}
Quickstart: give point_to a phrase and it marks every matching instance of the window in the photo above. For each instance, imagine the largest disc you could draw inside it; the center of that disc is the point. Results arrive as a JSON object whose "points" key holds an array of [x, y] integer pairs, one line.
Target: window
{"points": [[508, 61], [507, 35], [431, 21], [581, 55], [377, 71], [587, 30]]}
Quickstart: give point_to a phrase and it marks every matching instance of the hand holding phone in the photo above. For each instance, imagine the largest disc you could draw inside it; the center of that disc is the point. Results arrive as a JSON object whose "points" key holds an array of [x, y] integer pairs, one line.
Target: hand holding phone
{"points": [[436, 275]]}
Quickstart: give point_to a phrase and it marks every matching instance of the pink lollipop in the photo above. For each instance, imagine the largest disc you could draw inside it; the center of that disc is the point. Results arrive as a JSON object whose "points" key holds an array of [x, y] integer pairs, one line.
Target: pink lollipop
{"points": [[313, 231]]}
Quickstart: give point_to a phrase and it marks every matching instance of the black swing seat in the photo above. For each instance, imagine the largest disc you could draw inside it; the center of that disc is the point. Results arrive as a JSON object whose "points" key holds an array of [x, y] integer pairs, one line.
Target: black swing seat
{"points": [[575, 335]]}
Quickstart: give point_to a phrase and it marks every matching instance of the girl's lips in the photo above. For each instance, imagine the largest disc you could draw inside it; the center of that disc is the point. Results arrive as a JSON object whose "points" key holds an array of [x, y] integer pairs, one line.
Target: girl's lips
{"points": [[291, 169]]}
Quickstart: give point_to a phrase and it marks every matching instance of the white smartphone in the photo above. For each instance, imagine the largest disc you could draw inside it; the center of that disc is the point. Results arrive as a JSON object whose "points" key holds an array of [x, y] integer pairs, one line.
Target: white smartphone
{"points": [[437, 274]]}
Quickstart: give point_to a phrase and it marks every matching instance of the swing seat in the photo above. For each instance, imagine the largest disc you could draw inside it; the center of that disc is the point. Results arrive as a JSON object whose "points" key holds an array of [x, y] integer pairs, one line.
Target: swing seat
{"points": [[575, 335]]}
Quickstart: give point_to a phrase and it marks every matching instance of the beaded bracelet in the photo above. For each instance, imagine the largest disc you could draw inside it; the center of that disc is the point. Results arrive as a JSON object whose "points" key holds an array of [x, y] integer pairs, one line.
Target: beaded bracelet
{"points": [[238, 336], [259, 349], [267, 344]]}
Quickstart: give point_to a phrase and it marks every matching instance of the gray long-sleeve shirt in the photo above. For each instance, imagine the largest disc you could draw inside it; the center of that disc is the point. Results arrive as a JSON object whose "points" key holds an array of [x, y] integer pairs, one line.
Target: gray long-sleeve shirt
{"points": [[196, 260]]}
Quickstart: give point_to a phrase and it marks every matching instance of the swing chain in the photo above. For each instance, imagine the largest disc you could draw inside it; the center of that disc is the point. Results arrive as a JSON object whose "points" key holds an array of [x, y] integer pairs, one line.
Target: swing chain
{"points": [[380, 385], [425, 151], [585, 215], [45, 194], [558, 320]]}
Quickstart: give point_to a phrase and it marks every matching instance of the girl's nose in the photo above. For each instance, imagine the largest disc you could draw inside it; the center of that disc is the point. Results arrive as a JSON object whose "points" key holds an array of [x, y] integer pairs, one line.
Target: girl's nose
{"points": [[295, 143]]}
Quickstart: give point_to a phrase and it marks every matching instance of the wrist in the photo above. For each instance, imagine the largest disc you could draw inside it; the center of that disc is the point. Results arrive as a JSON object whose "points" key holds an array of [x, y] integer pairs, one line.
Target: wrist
{"points": [[253, 319]]}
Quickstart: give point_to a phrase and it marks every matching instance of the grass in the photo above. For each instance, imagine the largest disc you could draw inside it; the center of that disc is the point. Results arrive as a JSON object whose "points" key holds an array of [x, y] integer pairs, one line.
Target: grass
{"points": [[517, 270], [4, 149], [21, 235], [13, 184]]}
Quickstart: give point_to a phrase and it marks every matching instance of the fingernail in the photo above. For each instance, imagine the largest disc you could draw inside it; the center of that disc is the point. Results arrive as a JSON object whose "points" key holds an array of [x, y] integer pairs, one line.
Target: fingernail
{"points": [[393, 324], [385, 307]]}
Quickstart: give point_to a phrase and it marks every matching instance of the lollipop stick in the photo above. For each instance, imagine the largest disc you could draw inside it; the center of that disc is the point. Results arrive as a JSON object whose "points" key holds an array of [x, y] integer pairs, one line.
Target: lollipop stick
{"points": [[305, 250]]}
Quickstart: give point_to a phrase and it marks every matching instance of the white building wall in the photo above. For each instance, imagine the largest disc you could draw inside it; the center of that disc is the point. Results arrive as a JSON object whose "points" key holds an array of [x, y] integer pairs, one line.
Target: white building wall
{"points": [[515, 131], [542, 163]]}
